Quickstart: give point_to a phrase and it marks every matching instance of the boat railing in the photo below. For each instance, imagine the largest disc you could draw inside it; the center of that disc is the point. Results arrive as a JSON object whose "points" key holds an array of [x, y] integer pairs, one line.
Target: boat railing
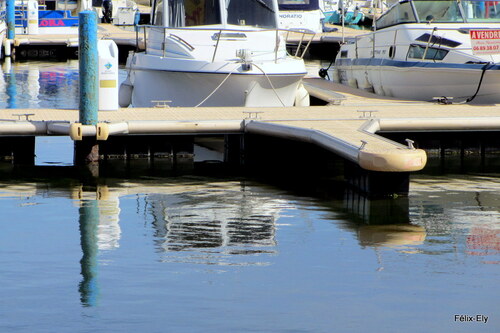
{"points": [[303, 43], [429, 42]]}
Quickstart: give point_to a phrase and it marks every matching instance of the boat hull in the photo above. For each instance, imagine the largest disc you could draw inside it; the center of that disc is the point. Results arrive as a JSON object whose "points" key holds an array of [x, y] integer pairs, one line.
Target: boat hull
{"points": [[191, 82], [422, 80], [200, 89]]}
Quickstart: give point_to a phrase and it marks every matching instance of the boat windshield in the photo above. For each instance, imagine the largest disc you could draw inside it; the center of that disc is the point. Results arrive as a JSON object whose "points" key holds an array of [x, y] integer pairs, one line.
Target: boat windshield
{"points": [[438, 11], [257, 13], [188, 13], [441, 11], [397, 14], [481, 11]]}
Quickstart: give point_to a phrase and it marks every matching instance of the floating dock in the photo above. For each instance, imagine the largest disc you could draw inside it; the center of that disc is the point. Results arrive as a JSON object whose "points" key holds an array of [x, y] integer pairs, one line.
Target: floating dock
{"points": [[347, 126], [35, 46]]}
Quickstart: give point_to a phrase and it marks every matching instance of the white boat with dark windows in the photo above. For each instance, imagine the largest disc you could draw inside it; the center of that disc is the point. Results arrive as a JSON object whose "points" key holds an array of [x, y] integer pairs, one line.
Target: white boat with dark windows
{"points": [[427, 50], [214, 53]]}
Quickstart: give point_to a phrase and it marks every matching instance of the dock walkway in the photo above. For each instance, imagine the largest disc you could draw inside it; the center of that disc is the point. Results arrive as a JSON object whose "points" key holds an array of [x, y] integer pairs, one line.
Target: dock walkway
{"points": [[349, 129]]}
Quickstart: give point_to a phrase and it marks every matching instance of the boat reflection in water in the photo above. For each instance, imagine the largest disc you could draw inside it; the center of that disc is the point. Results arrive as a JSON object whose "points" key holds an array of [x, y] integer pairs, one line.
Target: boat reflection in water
{"points": [[39, 84]]}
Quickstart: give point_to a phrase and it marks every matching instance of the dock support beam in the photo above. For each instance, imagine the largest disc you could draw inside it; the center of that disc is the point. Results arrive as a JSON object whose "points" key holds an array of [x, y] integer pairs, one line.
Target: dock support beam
{"points": [[87, 150]]}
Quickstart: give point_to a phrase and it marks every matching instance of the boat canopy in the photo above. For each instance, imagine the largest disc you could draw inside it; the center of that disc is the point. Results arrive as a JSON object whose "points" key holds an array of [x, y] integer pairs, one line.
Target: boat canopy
{"points": [[190, 13], [298, 4], [440, 11]]}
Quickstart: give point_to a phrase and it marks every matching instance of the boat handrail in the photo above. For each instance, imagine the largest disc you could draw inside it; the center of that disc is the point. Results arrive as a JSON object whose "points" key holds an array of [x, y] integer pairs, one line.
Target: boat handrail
{"points": [[220, 33]]}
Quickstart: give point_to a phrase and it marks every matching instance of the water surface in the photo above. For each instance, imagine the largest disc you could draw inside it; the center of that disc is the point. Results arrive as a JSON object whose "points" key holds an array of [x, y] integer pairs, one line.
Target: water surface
{"points": [[195, 253]]}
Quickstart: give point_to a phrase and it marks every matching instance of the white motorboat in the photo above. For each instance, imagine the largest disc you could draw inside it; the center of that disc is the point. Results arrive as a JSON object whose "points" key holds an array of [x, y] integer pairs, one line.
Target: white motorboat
{"points": [[425, 50], [301, 15], [214, 53]]}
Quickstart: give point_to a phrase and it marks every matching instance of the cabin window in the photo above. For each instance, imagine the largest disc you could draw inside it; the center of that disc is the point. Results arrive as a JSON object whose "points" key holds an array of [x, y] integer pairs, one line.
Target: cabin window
{"points": [[401, 13], [186, 13], [260, 13], [433, 53]]}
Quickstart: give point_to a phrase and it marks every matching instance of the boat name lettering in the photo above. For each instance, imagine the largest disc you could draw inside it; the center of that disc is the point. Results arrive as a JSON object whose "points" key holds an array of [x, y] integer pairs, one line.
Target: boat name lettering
{"points": [[52, 23], [285, 16]]}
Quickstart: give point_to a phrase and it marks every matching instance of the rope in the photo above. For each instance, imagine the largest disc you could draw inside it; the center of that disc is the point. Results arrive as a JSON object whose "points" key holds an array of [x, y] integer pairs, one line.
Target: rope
{"points": [[485, 67], [215, 90], [229, 74], [270, 83]]}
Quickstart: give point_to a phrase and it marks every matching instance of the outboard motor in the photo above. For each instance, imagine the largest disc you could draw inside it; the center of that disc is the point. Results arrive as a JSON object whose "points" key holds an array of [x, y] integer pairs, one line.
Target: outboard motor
{"points": [[107, 11]]}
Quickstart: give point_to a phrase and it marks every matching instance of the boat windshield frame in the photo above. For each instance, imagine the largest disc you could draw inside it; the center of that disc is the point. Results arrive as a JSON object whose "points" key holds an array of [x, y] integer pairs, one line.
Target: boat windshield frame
{"points": [[440, 11]]}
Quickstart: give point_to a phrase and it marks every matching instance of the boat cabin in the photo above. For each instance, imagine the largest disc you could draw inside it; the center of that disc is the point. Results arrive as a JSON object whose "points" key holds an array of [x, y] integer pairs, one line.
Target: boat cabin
{"points": [[192, 13], [445, 11]]}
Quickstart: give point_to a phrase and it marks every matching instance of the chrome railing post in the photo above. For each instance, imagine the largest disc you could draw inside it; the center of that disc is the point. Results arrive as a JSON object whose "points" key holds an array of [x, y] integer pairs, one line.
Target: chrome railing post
{"points": [[164, 41], [300, 44], [428, 42], [276, 48], [216, 45]]}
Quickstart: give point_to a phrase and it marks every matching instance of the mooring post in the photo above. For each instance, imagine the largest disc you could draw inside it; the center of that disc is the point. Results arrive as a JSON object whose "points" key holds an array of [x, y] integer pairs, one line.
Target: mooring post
{"points": [[87, 150], [11, 19]]}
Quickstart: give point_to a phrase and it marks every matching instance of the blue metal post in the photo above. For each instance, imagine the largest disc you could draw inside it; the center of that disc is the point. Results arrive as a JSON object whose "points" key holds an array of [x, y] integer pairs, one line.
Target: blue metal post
{"points": [[11, 19], [88, 65]]}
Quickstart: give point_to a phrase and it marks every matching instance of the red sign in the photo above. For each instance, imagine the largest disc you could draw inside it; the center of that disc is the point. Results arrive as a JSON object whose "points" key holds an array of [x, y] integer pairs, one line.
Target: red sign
{"points": [[485, 41], [52, 23]]}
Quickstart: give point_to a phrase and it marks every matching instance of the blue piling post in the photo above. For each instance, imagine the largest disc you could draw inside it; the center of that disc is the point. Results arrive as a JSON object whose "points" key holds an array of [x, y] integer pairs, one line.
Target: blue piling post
{"points": [[88, 65], [11, 19], [87, 150]]}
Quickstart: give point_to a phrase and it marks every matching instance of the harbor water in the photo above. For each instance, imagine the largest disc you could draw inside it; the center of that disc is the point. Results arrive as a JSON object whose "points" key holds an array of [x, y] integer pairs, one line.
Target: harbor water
{"points": [[207, 253]]}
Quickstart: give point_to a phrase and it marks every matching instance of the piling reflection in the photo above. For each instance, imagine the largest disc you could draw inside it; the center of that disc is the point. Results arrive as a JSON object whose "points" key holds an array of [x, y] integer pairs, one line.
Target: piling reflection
{"points": [[89, 219], [99, 230], [10, 85]]}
